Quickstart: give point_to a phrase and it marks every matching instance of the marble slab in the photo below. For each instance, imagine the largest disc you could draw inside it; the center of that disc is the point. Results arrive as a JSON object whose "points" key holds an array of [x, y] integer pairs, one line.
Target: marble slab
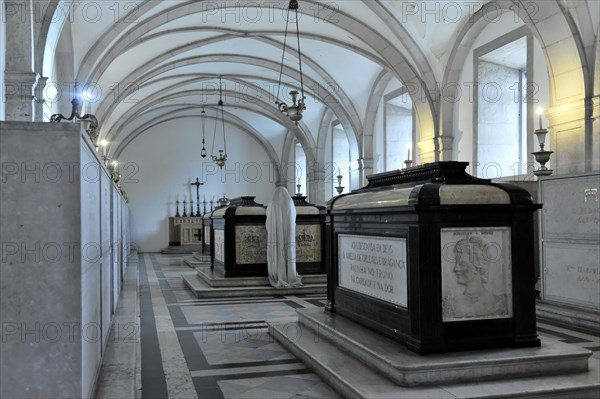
{"points": [[358, 362]]}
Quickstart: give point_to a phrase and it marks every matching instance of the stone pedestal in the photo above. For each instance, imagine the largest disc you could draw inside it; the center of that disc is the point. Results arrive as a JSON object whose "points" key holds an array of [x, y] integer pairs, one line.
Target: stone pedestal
{"points": [[360, 363]]}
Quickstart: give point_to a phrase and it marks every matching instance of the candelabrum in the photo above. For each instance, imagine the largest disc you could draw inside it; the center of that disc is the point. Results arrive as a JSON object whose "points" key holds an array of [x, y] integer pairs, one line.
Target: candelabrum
{"points": [[221, 159], [295, 110], [542, 156], [339, 187]]}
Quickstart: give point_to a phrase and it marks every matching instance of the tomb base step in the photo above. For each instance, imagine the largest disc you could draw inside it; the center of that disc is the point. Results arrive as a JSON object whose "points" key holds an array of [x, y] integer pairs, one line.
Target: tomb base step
{"points": [[180, 249], [197, 260], [203, 290], [360, 363], [215, 279], [568, 316]]}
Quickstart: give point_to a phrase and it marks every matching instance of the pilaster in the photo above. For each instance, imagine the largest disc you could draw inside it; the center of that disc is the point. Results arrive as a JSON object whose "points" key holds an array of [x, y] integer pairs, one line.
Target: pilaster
{"points": [[19, 89]]}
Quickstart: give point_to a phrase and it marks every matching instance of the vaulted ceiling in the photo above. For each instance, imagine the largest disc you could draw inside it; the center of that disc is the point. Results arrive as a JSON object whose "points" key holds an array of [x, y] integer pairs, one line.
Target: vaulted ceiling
{"points": [[157, 60]]}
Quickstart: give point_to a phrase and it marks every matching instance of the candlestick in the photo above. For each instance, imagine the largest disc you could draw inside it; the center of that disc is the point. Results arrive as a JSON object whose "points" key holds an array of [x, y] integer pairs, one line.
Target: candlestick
{"points": [[540, 111], [408, 154]]}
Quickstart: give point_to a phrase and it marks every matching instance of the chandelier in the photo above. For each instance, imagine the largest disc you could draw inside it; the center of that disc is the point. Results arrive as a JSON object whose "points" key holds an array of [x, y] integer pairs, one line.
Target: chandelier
{"points": [[93, 122], [294, 110], [222, 158], [203, 122]]}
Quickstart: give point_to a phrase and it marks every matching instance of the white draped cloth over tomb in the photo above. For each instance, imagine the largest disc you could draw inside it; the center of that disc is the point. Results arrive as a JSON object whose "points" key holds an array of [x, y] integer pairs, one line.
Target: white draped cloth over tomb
{"points": [[281, 242]]}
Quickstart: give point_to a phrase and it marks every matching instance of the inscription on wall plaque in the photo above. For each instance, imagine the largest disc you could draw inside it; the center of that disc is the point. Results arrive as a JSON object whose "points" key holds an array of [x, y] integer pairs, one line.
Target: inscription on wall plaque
{"points": [[572, 274], [251, 244], [374, 266], [476, 273], [219, 245], [308, 243], [571, 208]]}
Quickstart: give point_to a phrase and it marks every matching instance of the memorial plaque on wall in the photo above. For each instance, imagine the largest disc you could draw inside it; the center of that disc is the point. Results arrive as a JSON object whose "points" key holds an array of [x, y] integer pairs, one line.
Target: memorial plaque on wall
{"points": [[251, 244], [308, 243], [374, 266], [572, 274], [219, 245], [476, 273], [571, 208]]}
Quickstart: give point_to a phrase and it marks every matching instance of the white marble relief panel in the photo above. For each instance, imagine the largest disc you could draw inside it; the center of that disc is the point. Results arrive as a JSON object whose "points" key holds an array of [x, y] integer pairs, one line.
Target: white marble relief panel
{"points": [[476, 273]]}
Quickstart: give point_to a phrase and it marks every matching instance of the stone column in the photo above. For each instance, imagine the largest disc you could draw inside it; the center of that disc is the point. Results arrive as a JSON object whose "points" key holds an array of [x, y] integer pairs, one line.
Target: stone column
{"points": [[20, 80], [354, 180], [316, 184], [39, 99], [365, 168]]}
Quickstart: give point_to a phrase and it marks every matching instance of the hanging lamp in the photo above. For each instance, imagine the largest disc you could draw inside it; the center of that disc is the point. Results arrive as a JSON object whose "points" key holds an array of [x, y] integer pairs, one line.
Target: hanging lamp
{"points": [[203, 123], [293, 111], [222, 158]]}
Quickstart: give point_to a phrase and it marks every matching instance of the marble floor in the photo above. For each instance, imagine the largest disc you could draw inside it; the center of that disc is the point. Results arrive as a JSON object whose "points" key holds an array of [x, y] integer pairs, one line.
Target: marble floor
{"points": [[167, 344]]}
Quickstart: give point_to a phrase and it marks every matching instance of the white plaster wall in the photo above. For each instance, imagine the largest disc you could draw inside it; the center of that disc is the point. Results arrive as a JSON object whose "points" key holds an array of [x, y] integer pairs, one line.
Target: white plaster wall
{"points": [[158, 166], [463, 117]]}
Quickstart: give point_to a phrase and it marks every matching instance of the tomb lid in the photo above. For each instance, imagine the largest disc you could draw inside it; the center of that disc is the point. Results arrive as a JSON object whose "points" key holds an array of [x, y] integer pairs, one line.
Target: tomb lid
{"points": [[304, 207], [448, 172], [244, 205], [440, 183]]}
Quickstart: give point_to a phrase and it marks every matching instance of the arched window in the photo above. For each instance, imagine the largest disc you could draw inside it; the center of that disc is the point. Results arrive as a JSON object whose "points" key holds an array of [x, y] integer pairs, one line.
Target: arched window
{"points": [[502, 70], [300, 169], [340, 160], [399, 129]]}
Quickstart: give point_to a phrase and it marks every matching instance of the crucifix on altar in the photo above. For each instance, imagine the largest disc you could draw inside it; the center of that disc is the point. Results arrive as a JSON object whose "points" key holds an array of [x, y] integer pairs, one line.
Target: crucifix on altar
{"points": [[197, 184]]}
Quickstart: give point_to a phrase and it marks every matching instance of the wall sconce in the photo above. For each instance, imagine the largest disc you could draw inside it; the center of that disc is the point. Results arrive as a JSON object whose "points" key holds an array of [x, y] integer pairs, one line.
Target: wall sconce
{"points": [[93, 122], [542, 156]]}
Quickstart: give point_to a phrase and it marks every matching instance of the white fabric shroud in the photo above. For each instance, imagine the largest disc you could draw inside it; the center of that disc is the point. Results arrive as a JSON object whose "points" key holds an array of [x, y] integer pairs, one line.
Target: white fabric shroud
{"points": [[281, 242]]}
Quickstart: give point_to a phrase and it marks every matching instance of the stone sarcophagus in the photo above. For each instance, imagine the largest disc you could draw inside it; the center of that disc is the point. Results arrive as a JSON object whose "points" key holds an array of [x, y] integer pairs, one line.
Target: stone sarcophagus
{"points": [[310, 237], [238, 238], [435, 258], [238, 241]]}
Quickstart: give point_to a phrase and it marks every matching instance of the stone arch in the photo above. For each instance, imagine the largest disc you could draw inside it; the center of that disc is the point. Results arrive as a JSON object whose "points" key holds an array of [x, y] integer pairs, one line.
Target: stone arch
{"points": [[229, 118], [423, 98], [377, 91], [301, 131], [541, 25]]}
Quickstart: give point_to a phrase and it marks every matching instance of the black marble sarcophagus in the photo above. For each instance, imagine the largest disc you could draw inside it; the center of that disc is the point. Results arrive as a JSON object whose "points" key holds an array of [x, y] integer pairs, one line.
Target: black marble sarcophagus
{"points": [[435, 258]]}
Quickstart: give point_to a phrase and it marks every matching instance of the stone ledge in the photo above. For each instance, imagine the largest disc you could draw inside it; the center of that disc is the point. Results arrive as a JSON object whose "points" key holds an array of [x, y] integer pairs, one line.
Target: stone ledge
{"points": [[203, 290], [460, 374]]}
